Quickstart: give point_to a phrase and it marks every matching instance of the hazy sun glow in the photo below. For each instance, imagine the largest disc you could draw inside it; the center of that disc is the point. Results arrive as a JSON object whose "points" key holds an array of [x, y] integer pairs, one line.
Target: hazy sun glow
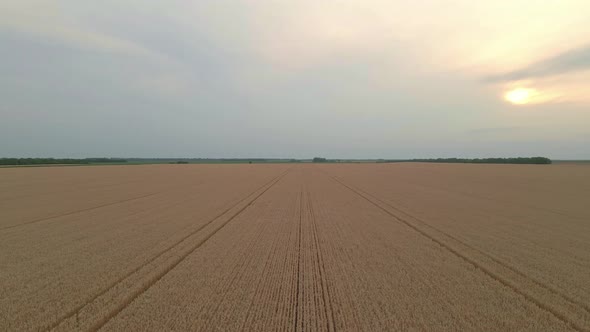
{"points": [[520, 96]]}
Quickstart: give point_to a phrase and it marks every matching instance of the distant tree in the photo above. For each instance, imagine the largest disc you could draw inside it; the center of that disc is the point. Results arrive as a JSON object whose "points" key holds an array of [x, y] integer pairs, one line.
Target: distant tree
{"points": [[319, 160]]}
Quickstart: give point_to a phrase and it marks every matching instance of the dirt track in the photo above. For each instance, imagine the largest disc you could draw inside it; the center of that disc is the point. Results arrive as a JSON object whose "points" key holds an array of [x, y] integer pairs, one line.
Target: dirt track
{"points": [[295, 247]]}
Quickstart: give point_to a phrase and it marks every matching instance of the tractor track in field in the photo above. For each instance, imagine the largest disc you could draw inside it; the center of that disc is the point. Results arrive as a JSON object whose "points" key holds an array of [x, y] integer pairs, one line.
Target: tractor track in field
{"points": [[79, 211], [259, 285], [299, 278], [73, 313], [486, 270], [283, 256], [69, 191], [235, 273], [136, 213], [97, 207], [505, 202], [491, 257], [326, 296], [131, 297]]}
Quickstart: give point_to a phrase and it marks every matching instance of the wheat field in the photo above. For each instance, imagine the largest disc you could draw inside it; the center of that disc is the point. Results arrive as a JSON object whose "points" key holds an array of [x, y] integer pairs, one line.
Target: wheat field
{"points": [[295, 247]]}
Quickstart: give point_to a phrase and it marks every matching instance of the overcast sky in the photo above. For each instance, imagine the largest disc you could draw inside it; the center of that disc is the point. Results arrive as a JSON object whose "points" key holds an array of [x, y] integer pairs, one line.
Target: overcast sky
{"points": [[305, 78]]}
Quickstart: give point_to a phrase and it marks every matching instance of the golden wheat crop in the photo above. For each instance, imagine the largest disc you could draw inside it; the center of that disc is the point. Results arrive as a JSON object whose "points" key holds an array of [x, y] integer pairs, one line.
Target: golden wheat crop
{"points": [[297, 247]]}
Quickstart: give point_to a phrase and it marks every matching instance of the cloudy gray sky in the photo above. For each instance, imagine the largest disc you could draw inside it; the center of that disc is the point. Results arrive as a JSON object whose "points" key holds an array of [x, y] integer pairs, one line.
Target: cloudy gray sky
{"points": [[271, 78]]}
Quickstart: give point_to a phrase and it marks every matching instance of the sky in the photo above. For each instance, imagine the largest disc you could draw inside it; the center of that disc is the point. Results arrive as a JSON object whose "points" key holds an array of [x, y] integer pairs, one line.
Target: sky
{"points": [[295, 79]]}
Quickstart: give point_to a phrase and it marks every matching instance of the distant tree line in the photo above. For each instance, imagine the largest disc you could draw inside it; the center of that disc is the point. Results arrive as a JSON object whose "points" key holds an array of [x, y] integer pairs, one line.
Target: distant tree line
{"points": [[208, 160], [73, 161], [54, 161], [518, 160]]}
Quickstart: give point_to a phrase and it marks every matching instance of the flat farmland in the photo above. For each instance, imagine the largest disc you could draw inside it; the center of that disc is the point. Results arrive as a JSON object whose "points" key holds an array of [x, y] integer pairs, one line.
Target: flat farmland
{"points": [[295, 247]]}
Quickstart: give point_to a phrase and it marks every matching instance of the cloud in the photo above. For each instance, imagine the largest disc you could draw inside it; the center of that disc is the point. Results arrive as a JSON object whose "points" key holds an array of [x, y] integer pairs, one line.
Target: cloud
{"points": [[167, 85], [574, 60], [45, 21], [495, 130]]}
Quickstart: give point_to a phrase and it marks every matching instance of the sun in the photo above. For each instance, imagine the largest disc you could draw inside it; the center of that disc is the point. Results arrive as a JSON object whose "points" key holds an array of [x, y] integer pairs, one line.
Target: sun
{"points": [[520, 96]]}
